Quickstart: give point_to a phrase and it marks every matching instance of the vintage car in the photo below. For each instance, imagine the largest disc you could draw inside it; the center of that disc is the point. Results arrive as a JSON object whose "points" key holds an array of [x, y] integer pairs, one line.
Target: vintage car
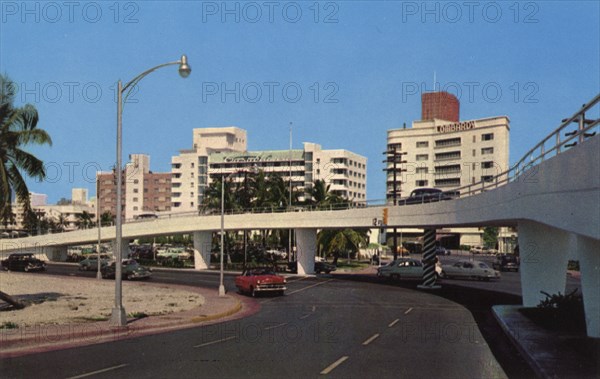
{"points": [[404, 268], [428, 195], [130, 270], [325, 267], [23, 262], [257, 280], [506, 262], [320, 266], [91, 262], [470, 270]]}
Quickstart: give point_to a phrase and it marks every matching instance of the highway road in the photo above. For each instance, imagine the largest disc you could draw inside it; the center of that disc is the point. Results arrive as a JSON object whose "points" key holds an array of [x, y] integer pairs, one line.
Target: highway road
{"points": [[329, 326]]}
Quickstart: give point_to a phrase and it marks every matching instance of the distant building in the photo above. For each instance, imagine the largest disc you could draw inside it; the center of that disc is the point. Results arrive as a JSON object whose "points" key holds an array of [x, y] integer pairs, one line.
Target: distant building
{"points": [[219, 152], [445, 153], [143, 191], [79, 196]]}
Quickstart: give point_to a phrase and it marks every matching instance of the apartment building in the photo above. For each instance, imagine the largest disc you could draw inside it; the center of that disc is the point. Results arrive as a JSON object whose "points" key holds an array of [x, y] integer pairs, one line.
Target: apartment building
{"points": [[219, 152], [441, 151]]}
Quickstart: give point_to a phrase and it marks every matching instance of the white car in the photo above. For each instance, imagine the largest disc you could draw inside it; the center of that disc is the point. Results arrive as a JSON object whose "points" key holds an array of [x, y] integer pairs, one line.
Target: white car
{"points": [[469, 269], [404, 268]]}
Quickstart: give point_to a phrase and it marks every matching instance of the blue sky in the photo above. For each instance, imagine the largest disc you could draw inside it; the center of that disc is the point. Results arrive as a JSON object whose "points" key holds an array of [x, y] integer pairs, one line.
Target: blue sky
{"points": [[360, 67]]}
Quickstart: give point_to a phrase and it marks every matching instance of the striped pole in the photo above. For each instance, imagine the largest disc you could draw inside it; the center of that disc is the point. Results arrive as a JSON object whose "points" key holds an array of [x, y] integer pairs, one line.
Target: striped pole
{"points": [[429, 260]]}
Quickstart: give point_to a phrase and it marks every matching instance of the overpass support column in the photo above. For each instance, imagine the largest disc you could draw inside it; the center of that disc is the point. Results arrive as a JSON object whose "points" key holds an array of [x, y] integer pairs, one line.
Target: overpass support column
{"points": [[54, 253], [306, 242], [543, 254], [202, 246], [589, 263]]}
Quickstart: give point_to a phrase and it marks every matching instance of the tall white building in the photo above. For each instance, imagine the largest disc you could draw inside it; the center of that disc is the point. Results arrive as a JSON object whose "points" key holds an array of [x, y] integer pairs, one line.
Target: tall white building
{"points": [[443, 152], [222, 151]]}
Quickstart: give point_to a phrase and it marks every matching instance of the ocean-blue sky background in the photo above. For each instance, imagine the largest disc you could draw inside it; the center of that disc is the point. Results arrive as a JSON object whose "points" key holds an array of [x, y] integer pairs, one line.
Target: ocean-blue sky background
{"points": [[360, 66]]}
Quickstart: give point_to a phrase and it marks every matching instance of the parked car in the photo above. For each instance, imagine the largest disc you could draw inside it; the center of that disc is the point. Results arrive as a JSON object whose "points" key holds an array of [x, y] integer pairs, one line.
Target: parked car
{"points": [[469, 269], [428, 195], [441, 250], [130, 270], [23, 262], [325, 267], [478, 250], [506, 262], [91, 262], [257, 280], [320, 266], [401, 268], [404, 268]]}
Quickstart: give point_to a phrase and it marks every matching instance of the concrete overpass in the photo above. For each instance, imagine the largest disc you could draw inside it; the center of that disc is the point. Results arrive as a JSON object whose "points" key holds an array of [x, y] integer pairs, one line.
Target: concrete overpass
{"points": [[552, 195]]}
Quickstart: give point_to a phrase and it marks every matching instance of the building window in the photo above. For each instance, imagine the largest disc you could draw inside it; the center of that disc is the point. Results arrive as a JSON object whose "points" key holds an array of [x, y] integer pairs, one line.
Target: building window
{"points": [[487, 150], [487, 178], [135, 190], [135, 181], [422, 143], [474, 152], [422, 157], [135, 208], [135, 199], [394, 147], [421, 183], [474, 139], [447, 182], [448, 142], [447, 156], [422, 170], [487, 137], [488, 164]]}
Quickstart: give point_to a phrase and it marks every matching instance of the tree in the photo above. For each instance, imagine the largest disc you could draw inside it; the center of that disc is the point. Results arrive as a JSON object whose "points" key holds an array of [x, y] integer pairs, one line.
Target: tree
{"points": [[322, 197], [339, 241], [490, 237], [18, 128], [84, 220], [106, 219]]}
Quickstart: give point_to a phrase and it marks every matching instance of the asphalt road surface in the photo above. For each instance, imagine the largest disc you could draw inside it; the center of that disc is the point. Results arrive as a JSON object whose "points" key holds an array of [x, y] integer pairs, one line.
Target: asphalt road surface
{"points": [[337, 326]]}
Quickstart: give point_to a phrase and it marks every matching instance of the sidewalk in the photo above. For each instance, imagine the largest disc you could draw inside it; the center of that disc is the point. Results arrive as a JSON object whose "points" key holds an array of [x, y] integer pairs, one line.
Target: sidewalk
{"points": [[40, 338], [550, 354]]}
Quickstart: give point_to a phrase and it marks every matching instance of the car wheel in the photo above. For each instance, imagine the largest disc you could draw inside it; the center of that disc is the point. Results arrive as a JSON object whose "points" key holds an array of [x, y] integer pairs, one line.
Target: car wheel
{"points": [[26, 269]]}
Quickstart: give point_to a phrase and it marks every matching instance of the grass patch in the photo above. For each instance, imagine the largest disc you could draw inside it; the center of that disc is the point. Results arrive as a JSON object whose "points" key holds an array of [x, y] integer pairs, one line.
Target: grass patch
{"points": [[344, 265], [8, 325]]}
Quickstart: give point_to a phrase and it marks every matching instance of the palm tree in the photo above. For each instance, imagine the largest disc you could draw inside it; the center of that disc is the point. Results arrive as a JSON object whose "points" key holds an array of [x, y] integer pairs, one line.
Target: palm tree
{"points": [[322, 197], [61, 223], [338, 241], [84, 220], [106, 218], [18, 128]]}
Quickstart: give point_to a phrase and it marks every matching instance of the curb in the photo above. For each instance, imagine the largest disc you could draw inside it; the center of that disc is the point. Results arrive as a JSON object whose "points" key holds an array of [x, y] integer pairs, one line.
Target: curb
{"points": [[513, 336]]}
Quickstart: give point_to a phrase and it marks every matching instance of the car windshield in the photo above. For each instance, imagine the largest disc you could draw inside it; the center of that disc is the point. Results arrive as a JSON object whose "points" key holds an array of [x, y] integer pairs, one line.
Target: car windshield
{"points": [[483, 265]]}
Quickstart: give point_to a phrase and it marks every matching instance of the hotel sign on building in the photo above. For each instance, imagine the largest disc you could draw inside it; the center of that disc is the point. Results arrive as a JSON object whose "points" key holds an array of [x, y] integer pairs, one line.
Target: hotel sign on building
{"points": [[456, 127]]}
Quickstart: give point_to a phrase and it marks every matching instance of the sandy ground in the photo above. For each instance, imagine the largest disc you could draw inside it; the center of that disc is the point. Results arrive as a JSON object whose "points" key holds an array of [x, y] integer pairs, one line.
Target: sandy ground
{"points": [[60, 300]]}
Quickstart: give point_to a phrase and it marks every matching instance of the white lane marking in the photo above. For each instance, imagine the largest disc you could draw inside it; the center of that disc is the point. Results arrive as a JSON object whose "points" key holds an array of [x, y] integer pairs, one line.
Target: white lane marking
{"points": [[217, 341], [371, 339], [276, 326], [393, 323], [408, 311], [332, 366], [307, 287], [98, 371]]}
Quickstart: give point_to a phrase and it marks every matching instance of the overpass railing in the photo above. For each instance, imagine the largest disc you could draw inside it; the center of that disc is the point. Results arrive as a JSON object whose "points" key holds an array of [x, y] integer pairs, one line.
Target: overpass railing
{"points": [[559, 140]]}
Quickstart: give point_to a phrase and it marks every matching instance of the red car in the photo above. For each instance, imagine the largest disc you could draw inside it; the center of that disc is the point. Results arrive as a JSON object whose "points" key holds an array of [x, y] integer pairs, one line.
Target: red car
{"points": [[256, 280]]}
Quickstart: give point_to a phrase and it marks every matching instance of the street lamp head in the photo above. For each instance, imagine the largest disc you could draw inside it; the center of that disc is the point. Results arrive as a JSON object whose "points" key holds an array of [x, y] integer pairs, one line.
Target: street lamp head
{"points": [[184, 69]]}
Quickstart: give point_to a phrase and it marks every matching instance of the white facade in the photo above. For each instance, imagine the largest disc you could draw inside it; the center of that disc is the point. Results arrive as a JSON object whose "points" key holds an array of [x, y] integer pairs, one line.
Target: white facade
{"points": [[447, 155], [222, 151], [79, 195]]}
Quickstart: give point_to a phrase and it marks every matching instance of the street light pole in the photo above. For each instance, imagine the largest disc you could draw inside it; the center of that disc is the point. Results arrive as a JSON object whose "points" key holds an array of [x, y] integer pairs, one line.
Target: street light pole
{"points": [[98, 273], [221, 285], [119, 317]]}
